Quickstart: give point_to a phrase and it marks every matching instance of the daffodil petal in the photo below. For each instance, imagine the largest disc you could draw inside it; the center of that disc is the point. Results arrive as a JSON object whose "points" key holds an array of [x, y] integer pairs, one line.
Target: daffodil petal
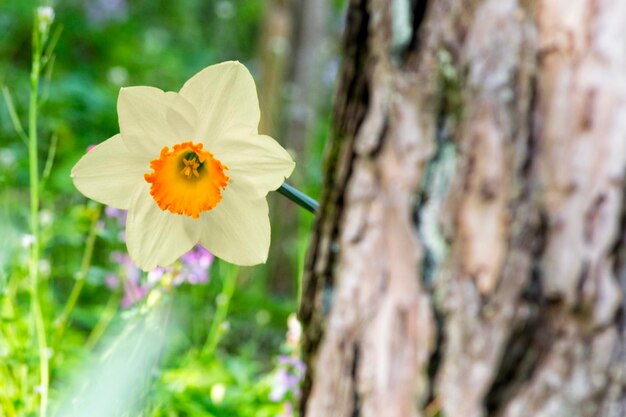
{"points": [[238, 229], [256, 162], [181, 116], [224, 95], [151, 119], [110, 173], [155, 237]]}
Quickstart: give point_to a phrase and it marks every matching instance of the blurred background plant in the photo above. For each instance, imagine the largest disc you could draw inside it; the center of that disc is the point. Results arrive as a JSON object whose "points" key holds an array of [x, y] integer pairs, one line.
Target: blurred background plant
{"points": [[217, 346]]}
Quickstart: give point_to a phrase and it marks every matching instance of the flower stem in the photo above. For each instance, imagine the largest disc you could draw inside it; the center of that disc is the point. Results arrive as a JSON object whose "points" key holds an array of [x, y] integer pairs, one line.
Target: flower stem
{"points": [[33, 264], [106, 316], [229, 275], [82, 275], [298, 197]]}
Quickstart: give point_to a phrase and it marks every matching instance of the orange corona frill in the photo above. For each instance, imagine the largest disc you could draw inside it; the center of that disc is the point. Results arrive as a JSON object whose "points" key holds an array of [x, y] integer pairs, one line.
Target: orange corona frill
{"points": [[187, 179]]}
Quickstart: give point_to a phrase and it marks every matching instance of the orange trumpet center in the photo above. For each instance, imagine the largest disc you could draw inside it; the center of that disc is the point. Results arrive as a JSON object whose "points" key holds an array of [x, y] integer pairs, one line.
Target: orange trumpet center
{"points": [[187, 180]]}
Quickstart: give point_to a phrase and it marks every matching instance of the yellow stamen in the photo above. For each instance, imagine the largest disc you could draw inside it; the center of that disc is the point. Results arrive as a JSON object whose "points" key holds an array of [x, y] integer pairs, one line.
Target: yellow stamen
{"points": [[191, 167], [187, 180]]}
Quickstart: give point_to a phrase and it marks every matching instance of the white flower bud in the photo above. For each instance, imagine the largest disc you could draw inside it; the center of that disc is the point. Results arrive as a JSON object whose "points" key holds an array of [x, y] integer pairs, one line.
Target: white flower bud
{"points": [[45, 17]]}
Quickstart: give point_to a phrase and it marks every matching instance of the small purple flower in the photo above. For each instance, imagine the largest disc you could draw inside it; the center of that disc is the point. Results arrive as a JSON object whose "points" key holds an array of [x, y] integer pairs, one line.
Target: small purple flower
{"points": [[133, 289], [155, 275], [113, 213], [111, 281], [193, 269], [133, 292], [288, 377], [131, 271], [280, 386], [196, 264], [293, 363]]}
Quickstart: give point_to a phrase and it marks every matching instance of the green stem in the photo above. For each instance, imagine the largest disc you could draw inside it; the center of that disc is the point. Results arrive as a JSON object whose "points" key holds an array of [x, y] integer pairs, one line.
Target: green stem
{"points": [[298, 197], [61, 322], [33, 265], [105, 320], [47, 168], [222, 301]]}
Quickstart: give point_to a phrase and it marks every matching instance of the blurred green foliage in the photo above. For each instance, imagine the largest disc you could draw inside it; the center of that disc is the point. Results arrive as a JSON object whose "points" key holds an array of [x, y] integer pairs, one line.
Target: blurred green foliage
{"points": [[104, 45]]}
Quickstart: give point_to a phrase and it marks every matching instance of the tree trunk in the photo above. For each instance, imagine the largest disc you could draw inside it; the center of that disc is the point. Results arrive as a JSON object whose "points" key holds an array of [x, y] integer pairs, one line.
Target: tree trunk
{"points": [[469, 254]]}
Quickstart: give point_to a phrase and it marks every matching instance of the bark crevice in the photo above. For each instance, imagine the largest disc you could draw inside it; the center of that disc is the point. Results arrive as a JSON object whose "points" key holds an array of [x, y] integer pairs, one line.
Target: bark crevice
{"points": [[356, 397], [349, 111], [418, 15]]}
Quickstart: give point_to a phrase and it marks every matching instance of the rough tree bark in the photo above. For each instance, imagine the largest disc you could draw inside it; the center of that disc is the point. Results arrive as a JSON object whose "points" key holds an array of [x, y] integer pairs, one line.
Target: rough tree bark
{"points": [[469, 255]]}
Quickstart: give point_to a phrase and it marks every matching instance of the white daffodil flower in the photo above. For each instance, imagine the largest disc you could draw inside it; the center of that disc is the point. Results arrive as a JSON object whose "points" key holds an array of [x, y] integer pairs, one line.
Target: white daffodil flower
{"points": [[189, 167]]}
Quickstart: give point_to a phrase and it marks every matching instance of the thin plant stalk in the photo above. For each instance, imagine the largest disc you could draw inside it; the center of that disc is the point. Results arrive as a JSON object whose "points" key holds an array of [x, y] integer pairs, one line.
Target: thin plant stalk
{"points": [[106, 317], [61, 322], [47, 168], [223, 301], [33, 265], [17, 125]]}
